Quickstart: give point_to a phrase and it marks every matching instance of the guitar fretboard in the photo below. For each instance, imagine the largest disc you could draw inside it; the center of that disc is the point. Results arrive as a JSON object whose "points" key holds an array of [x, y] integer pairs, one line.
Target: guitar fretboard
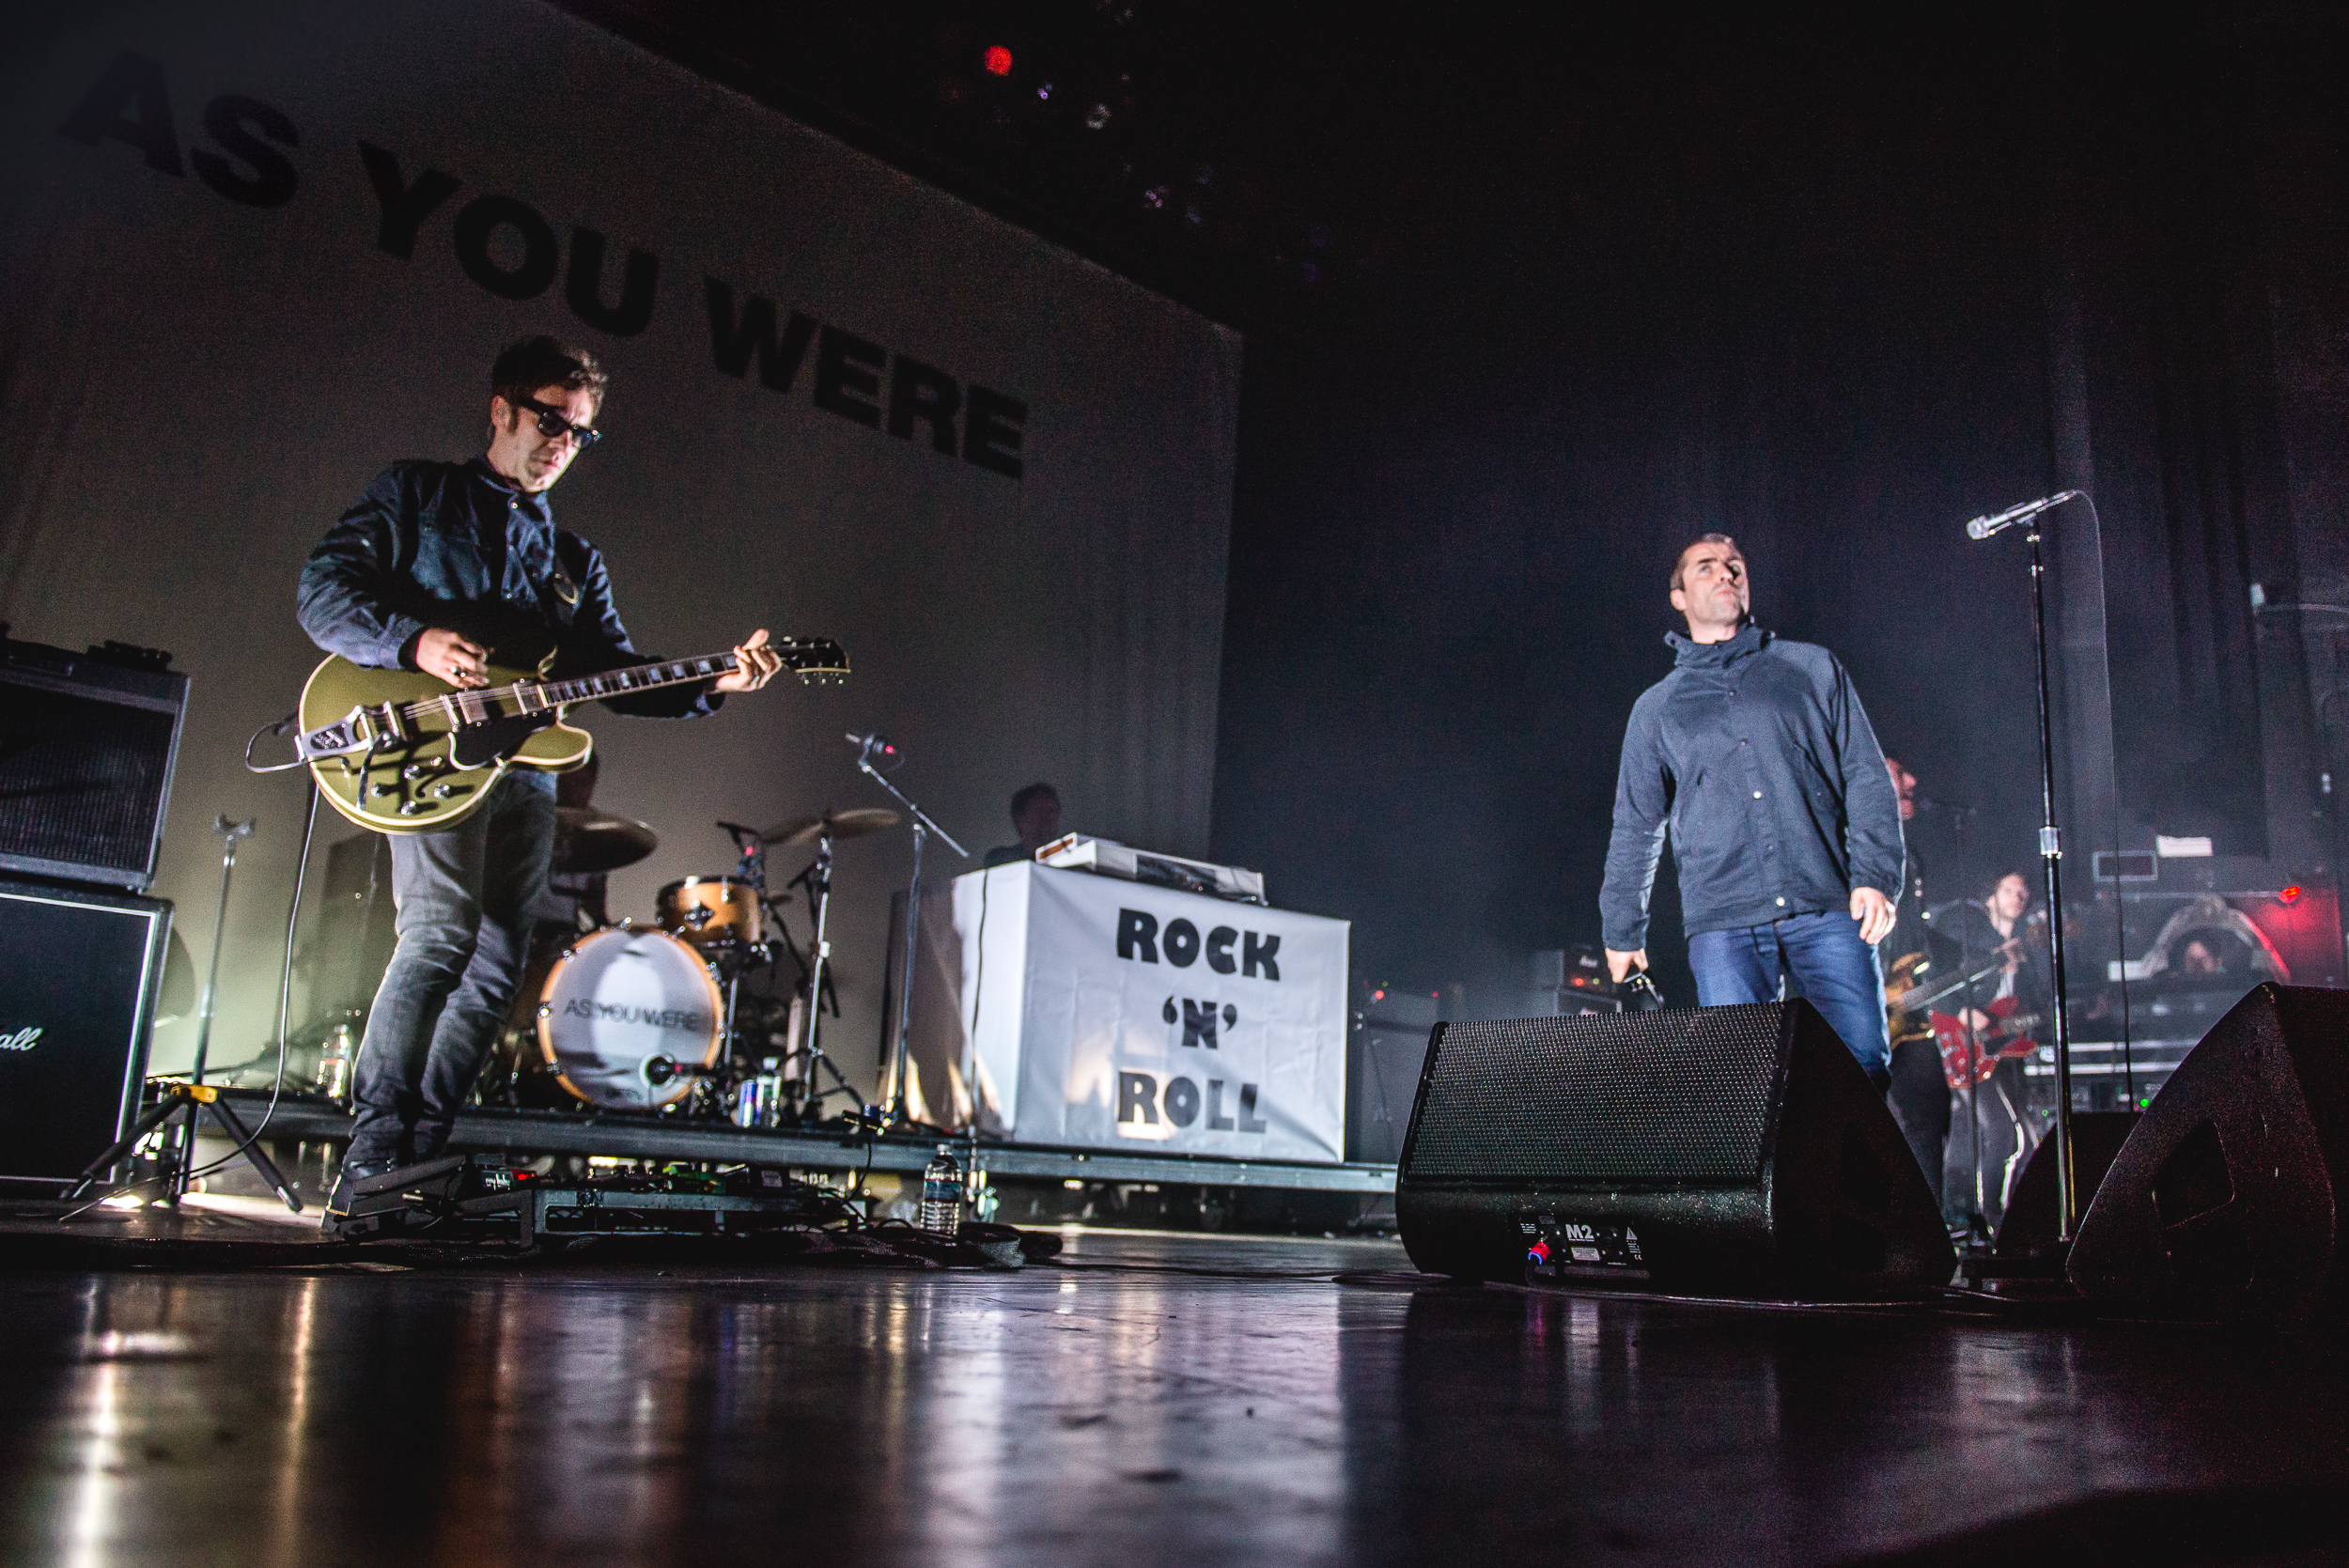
{"points": [[530, 696], [558, 694]]}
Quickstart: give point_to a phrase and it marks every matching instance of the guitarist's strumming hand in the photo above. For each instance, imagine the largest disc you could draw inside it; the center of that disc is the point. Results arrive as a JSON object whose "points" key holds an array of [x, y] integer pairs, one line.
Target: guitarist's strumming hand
{"points": [[454, 659], [756, 664]]}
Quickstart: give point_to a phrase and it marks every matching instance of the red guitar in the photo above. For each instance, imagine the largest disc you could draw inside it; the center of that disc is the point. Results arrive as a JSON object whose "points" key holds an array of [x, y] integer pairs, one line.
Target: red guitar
{"points": [[2001, 1039]]}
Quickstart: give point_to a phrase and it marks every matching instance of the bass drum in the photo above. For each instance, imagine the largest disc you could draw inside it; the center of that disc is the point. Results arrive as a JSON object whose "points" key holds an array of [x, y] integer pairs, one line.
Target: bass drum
{"points": [[627, 1018]]}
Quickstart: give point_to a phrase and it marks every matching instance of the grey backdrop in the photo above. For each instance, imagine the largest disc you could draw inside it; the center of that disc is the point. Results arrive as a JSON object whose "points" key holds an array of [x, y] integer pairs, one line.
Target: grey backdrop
{"points": [[192, 387]]}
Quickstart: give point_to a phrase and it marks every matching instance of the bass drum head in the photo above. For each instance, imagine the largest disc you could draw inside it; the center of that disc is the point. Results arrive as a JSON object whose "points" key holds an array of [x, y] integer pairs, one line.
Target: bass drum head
{"points": [[621, 1001]]}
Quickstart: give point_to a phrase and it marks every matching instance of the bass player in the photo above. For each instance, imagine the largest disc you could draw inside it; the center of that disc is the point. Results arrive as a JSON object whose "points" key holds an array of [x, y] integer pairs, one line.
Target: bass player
{"points": [[436, 565]]}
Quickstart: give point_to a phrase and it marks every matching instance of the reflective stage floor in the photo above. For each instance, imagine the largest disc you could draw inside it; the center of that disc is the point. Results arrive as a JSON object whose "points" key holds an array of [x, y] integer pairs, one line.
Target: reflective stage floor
{"points": [[1143, 1400]]}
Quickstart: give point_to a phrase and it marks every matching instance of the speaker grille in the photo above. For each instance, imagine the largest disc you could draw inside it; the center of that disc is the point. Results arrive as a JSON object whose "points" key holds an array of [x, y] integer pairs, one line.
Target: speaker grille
{"points": [[1680, 1098], [81, 779]]}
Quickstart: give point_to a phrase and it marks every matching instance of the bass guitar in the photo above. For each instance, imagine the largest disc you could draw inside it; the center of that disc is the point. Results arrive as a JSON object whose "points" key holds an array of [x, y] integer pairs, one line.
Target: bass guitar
{"points": [[402, 752]]}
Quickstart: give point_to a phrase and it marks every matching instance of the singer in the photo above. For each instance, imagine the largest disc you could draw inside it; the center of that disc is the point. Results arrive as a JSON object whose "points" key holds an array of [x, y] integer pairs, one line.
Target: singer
{"points": [[1757, 759], [435, 565]]}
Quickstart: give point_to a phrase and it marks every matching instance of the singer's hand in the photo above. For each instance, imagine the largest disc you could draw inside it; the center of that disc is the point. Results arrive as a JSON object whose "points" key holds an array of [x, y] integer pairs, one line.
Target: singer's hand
{"points": [[755, 665], [1875, 913], [1620, 965]]}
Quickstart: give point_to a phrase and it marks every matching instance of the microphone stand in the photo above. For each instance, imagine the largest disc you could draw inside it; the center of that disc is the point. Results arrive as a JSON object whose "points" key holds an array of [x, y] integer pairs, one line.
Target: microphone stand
{"points": [[2051, 857], [896, 1115], [186, 1102]]}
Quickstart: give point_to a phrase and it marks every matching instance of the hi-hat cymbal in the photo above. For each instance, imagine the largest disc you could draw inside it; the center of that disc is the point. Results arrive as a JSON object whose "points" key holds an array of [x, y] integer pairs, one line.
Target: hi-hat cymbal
{"points": [[587, 840], [844, 824]]}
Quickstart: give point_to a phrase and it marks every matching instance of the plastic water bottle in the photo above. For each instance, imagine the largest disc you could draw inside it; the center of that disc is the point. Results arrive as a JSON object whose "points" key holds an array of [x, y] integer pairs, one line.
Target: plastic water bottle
{"points": [[941, 1193]]}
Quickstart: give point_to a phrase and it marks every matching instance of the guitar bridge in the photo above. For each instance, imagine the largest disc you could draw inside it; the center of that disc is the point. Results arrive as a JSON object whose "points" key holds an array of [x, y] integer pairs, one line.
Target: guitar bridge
{"points": [[355, 731]]}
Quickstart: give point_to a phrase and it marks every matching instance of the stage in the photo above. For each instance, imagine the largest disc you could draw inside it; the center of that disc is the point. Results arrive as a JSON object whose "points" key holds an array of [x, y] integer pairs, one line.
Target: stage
{"points": [[245, 1393]]}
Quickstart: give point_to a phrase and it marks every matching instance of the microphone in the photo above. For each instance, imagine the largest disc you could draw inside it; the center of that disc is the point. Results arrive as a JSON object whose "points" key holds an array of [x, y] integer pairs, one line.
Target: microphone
{"points": [[873, 740], [1982, 527]]}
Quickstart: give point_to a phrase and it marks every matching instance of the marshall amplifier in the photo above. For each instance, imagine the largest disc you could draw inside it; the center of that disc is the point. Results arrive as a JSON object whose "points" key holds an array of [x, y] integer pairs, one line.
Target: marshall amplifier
{"points": [[88, 742], [77, 1003]]}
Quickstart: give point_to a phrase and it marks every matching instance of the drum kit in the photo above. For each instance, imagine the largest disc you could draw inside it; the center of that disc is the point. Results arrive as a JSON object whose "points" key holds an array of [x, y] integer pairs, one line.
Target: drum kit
{"points": [[714, 1008]]}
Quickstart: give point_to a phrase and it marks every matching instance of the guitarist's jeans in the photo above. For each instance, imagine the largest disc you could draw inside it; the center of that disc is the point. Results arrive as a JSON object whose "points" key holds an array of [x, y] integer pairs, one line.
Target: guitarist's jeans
{"points": [[1816, 957], [465, 899]]}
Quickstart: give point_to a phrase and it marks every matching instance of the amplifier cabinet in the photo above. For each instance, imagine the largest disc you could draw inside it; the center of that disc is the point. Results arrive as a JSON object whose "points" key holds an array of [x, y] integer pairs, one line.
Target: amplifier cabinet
{"points": [[88, 745], [79, 971]]}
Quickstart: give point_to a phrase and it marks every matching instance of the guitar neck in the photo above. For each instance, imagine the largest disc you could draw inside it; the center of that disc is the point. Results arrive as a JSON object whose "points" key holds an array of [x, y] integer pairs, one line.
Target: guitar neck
{"points": [[611, 683]]}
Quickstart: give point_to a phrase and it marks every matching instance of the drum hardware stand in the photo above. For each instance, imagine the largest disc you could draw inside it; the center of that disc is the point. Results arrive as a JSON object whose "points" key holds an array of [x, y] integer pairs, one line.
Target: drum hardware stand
{"points": [[188, 1101], [923, 826], [817, 878], [2050, 855]]}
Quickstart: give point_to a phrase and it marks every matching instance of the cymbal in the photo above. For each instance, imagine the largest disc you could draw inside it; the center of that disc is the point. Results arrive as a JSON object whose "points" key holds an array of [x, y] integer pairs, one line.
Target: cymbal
{"points": [[587, 840], [844, 824]]}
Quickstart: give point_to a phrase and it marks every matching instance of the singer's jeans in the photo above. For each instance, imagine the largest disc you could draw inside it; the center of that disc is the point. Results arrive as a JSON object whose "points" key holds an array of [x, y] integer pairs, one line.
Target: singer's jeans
{"points": [[465, 898], [1816, 957]]}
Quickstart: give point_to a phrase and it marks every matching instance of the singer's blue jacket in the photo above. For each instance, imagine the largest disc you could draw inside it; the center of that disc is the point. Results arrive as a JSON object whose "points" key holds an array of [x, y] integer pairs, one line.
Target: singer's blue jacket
{"points": [[1757, 759]]}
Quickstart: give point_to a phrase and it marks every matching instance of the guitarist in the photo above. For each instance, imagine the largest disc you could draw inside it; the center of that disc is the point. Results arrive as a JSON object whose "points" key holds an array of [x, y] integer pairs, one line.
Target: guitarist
{"points": [[437, 565], [2004, 1131]]}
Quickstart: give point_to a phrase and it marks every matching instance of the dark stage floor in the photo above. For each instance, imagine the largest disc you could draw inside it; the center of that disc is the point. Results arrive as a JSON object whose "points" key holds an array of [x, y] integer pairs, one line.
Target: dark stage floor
{"points": [[1146, 1399]]}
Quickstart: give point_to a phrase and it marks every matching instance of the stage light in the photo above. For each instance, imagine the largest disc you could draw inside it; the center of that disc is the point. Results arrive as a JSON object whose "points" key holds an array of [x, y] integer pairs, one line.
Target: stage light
{"points": [[996, 60], [1097, 116], [1154, 197], [2290, 895]]}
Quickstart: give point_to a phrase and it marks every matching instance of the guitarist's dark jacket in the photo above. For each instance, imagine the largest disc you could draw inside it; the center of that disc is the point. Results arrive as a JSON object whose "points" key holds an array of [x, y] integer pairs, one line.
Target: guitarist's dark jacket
{"points": [[453, 545]]}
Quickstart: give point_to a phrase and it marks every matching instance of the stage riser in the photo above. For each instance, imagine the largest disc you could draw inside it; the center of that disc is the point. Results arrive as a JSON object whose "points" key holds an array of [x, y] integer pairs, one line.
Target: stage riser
{"points": [[551, 1133]]}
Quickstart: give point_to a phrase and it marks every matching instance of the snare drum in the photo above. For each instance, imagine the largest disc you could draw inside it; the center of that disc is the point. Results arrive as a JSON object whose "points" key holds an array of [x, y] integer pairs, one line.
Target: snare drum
{"points": [[629, 1016], [710, 912]]}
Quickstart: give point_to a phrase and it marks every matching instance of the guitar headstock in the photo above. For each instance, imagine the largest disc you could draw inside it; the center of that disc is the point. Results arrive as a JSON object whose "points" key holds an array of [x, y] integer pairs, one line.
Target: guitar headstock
{"points": [[817, 660]]}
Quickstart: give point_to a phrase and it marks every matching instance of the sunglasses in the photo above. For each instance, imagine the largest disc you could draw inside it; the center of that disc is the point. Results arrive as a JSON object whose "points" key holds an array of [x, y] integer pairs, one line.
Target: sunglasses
{"points": [[552, 423]]}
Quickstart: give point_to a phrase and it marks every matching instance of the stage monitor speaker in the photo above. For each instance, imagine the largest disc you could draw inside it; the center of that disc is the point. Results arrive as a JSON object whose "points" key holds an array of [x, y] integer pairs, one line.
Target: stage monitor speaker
{"points": [[1728, 1150], [2030, 1221], [88, 745], [77, 1003], [2227, 1199]]}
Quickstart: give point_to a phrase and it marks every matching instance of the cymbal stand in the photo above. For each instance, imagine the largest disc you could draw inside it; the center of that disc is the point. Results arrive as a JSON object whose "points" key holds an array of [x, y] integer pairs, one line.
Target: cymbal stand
{"points": [[813, 966], [898, 1115]]}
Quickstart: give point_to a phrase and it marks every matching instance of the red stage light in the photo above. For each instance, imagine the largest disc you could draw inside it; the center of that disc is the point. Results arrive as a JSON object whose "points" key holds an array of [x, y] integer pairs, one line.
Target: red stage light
{"points": [[2290, 895], [998, 60]]}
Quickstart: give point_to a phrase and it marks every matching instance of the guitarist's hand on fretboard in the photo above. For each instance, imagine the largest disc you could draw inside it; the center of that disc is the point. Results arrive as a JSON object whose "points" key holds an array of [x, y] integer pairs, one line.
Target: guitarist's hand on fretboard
{"points": [[755, 665]]}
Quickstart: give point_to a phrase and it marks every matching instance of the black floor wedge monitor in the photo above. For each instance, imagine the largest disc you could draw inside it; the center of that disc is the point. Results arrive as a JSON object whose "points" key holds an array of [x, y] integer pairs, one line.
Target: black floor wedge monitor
{"points": [[2228, 1197], [1721, 1150]]}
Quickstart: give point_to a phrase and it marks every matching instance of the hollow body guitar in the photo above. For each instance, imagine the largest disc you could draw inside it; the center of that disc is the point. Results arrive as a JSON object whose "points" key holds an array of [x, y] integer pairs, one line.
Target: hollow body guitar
{"points": [[406, 753]]}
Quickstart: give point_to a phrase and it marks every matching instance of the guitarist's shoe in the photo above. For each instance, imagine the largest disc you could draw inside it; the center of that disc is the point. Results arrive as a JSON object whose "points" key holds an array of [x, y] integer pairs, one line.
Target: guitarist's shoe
{"points": [[338, 1202]]}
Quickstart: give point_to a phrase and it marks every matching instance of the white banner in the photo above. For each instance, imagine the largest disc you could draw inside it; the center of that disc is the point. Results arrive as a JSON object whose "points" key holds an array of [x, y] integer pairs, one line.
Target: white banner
{"points": [[253, 251], [1106, 1013]]}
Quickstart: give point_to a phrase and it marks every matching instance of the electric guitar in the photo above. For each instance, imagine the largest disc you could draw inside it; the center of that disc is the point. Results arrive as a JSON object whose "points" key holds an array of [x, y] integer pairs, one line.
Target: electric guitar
{"points": [[402, 752], [2001, 1039]]}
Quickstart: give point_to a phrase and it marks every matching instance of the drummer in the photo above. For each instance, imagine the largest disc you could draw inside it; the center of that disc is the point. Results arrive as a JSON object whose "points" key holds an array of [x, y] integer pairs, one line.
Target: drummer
{"points": [[1035, 818]]}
